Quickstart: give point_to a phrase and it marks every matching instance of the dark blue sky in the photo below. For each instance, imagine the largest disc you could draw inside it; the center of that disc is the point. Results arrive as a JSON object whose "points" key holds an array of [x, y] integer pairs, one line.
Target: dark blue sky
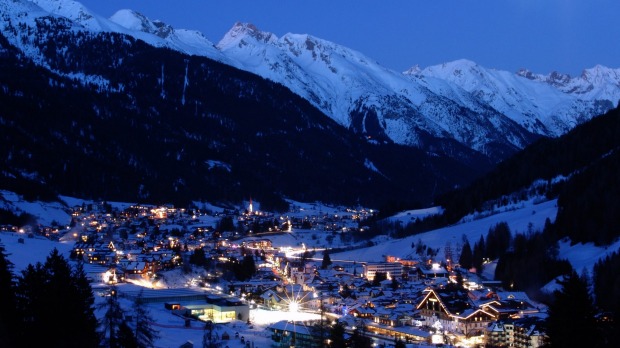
{"points": [[541, 35]]}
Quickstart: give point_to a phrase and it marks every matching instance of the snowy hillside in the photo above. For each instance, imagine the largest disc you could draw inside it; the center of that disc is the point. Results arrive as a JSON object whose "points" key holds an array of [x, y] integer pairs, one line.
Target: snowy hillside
{"points": [[517, 216], [521, 218]]}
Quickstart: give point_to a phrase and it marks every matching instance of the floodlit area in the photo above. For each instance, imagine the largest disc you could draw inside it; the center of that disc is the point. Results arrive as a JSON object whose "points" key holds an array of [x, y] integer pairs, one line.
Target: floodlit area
{"points": [[263, 317]]}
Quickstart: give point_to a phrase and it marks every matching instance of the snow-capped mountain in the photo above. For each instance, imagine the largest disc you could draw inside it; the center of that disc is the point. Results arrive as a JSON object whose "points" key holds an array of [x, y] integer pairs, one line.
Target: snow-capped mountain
{"points": [[128, 22], [544, 105], [597, 83], [364, 96], [493, 112]]}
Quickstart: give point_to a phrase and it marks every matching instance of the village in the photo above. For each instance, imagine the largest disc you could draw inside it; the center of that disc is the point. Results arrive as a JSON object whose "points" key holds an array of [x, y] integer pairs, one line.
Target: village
{"points": [[244, 260]]}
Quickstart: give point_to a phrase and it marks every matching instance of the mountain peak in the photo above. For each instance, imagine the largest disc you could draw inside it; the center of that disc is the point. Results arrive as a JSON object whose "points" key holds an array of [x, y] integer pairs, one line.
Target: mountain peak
{"points": [[72, 10], [600, 73], [458, 70], [528, 74], [558, 79], [414, 70], [240, 30], [136, 21]]}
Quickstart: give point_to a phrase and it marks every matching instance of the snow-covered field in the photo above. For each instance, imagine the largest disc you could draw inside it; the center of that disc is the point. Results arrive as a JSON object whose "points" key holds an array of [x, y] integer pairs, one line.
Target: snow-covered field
{"points": [[33, 250]]}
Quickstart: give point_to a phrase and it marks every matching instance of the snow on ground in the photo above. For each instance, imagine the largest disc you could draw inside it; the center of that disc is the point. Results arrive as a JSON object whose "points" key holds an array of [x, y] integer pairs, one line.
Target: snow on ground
{"points": [[73, 202], [581, 257], [411, 215], [173, 332], [518, 219], [585, 256], [46, 212], [33, 250]]}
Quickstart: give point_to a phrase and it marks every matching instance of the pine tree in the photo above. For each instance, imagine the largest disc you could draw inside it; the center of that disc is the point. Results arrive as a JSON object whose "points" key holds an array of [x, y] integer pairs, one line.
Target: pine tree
{"points": [[145, 335], [30, 302], [7, 301], [112, 319], [208, 340], [466, 256], [478, 254], [326, 260], [86, 323], [125, 337], [571, 321]]}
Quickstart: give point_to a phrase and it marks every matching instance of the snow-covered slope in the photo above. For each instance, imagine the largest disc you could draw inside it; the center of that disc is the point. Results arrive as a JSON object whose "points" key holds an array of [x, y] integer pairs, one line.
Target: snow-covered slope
{"points": [[519, 217]]}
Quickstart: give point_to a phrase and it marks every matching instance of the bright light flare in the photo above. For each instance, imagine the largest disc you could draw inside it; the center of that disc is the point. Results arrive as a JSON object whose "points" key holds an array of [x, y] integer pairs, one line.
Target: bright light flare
{"points": [[293, 307]]}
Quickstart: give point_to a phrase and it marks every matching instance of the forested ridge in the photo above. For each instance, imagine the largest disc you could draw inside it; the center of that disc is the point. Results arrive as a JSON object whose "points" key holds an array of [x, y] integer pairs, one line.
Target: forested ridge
{"points": [[118, 119]]}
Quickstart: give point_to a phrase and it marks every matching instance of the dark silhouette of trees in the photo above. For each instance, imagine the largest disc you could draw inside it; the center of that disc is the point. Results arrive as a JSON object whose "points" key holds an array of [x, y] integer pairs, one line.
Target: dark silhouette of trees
{"points": [[113, 321], [572, 311], [8, 314], [466, 258], [53, 288], [326, 260], [530, 264], [606, 281], [498, 240], [379, 277], [359, 339], [226, 224], [478, 254], [244, 269], [198, 257]]}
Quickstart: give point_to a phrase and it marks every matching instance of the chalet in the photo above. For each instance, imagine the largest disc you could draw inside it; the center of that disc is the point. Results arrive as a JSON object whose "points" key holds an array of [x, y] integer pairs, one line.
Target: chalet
{"points": [[504, 305], [271, 299], [132, 268], [504, 309], [456, 312], [362, 312], [387, 318]]}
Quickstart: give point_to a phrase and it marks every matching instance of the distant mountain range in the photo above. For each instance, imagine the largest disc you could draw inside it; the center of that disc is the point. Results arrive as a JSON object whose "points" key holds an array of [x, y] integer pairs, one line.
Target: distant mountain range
{"points": [[413, 134]]}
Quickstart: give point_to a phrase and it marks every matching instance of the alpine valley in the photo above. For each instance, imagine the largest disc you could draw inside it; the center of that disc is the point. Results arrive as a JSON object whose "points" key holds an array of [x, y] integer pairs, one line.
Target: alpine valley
{"points": [[127, 108]]}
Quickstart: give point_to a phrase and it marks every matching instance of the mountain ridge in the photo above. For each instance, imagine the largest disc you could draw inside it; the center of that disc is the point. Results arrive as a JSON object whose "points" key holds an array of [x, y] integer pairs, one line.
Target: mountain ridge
{"points": [[407, 108]]}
